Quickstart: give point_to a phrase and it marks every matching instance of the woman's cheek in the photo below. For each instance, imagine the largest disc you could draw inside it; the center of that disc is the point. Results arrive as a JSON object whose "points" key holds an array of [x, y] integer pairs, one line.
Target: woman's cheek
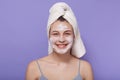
{"points": [[69, 39], [53, 40]]}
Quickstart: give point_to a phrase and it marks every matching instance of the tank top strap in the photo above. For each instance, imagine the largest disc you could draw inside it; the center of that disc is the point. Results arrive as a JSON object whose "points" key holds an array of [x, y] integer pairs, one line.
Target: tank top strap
{"points": [[79, 67], [39, 67]]}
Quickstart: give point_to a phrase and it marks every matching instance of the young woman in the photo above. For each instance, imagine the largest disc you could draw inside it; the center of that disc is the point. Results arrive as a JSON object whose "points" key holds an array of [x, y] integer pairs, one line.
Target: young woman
{"points": [[65, 49]]}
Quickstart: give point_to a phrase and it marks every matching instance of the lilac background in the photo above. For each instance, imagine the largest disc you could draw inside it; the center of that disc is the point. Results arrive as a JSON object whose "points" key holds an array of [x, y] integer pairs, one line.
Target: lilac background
{"points": [[23, 35]]}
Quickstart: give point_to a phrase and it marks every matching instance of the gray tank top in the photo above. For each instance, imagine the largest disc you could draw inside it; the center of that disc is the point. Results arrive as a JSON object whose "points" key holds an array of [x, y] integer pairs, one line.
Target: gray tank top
{"points": [[42, 77]]}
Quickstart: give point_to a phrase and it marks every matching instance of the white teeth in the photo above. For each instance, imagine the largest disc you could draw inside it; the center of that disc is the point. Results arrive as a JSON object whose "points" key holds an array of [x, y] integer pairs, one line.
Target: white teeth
{"points": [[61, 45]]}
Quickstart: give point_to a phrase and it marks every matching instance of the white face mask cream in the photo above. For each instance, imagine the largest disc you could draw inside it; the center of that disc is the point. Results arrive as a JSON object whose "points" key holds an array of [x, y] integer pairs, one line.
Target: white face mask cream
{"points": [[61, 38]]}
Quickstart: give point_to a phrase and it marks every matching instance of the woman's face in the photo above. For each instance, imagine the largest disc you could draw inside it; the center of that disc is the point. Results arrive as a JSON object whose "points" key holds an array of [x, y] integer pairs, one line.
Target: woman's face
{"points": [[61, 37]]}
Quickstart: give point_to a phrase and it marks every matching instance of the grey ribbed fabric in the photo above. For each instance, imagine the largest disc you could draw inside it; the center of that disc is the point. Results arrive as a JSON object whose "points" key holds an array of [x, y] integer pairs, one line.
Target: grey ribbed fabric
{"points": [[42, 77]]}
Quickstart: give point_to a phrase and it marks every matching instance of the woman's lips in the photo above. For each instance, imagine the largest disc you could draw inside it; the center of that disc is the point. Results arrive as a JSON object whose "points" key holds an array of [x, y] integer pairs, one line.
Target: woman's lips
{"points": [[61, 45]]}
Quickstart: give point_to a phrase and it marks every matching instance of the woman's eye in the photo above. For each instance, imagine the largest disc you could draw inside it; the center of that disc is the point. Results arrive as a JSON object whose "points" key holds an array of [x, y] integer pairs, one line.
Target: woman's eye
{"points": [[55, 34], [68, 33]]}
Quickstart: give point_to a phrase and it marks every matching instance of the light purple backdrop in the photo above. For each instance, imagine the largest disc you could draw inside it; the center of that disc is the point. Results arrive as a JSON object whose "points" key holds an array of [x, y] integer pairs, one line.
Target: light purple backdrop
{"points": [[23, 35]]}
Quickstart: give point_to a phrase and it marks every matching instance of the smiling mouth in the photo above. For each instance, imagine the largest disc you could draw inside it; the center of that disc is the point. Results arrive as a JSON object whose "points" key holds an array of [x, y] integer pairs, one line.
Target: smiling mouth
{"points": [[61, 45]]}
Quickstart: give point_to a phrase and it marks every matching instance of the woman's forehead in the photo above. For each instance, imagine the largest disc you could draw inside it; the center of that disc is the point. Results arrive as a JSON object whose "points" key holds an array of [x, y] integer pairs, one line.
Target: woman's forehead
{"points": [[61, 26]]}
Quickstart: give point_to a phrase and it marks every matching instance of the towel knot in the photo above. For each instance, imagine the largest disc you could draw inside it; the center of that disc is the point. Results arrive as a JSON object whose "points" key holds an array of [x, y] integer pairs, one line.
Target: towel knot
{"points": [[60, 8]]}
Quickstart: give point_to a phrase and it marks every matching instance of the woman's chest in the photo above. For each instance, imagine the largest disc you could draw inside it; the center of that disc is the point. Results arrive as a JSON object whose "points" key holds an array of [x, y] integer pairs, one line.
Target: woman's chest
{"points": [[61, 73]]}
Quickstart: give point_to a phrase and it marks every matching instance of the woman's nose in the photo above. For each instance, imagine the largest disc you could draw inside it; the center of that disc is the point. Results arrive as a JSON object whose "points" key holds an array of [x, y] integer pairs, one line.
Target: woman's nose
{"points": [[61, 39]]}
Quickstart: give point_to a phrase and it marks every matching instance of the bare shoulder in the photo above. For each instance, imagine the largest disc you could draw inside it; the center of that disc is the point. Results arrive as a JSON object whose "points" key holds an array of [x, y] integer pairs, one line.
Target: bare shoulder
{"points": [[86, 70], [33, 65], [85, 63]]}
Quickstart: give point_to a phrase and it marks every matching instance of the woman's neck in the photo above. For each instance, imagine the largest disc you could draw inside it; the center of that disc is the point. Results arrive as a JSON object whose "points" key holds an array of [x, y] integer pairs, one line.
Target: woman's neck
{"points": [[61, 58]]}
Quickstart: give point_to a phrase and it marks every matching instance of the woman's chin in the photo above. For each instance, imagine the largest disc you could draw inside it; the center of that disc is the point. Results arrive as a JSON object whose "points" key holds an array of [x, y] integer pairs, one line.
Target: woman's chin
{"points": [[61, 51]]}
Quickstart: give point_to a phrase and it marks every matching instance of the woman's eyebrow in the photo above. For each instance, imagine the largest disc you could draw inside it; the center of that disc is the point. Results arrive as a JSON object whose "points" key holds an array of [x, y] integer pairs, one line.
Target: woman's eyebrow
{"points": [[64, 31], [54, 31], [68, 31]]}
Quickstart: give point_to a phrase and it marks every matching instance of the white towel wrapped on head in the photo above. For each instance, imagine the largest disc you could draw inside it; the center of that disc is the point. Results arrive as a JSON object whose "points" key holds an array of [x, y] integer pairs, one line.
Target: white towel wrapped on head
{"points": [[62, 9]]}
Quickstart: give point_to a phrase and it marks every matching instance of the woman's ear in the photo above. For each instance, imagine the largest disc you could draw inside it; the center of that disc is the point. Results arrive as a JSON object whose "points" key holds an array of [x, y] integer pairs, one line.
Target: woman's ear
{"points": [[49, 32], [73, 36]]}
